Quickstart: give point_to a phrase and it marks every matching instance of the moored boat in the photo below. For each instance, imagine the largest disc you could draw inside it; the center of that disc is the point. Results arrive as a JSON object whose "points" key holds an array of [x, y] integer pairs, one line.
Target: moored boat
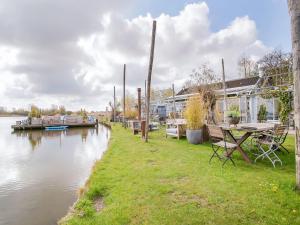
{"points": [[56, 128]]}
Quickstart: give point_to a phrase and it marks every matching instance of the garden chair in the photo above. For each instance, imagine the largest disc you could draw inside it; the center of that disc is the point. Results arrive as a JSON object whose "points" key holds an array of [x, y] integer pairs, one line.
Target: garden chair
{"points": [[218, 141], [176, 128], [271, 142], [281, 133]]}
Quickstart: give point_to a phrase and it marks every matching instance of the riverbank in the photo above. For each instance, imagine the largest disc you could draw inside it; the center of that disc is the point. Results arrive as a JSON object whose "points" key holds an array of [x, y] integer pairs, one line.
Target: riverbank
{"points": [[12, 115], [167, 181]]}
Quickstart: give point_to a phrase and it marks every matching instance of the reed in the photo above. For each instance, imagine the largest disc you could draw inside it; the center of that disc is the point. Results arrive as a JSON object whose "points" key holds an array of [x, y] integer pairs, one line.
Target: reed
{"points": [[196, 112]]}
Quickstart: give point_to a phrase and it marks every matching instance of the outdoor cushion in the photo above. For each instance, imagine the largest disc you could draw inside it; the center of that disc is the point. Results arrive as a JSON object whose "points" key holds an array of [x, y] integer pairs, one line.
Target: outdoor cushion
{"points": [[171, 131]]}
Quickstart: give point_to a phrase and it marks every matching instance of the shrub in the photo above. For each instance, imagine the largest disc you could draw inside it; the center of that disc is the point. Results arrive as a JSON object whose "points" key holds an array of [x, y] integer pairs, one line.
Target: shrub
{"points": [[195, 112], [262, 113], [234, 111]]}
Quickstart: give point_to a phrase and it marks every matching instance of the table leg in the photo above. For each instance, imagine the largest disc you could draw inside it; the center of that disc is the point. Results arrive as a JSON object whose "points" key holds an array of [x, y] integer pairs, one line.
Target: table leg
{"points": [[239, 142]]}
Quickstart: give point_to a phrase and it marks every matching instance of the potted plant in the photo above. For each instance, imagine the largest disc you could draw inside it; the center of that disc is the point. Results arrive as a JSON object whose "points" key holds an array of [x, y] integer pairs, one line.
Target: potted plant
{"points": [[262, 113], [233, 115], [195, 113]]}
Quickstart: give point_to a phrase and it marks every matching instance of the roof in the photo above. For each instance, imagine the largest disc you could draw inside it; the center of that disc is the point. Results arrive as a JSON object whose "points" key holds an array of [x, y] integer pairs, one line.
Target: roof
{"points": [[237, 83]]}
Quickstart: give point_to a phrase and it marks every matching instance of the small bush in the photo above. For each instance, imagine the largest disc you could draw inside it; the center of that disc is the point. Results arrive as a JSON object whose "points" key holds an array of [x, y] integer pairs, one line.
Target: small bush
{"points": [[262, 113], [234, 111]]}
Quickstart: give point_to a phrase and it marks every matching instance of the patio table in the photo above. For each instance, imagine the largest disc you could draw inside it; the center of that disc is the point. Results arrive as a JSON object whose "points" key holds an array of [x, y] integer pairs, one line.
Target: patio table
{"points": [[248, 129]]}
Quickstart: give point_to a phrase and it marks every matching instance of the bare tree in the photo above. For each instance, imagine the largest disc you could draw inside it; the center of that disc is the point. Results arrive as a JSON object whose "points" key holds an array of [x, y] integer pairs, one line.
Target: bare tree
{"points": [[275, 62], [294, 10], [201, 77], [130, 106], [247, 66], [160, 94], [204, 80]]}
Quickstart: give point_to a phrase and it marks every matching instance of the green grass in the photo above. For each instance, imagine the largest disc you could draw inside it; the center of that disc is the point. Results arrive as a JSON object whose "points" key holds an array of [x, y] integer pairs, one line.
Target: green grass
{"points": [[168, 181]]}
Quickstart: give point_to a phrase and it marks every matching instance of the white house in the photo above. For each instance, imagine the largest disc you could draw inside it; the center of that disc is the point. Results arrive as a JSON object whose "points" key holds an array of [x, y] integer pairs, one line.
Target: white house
{"points": [[244, 92]]}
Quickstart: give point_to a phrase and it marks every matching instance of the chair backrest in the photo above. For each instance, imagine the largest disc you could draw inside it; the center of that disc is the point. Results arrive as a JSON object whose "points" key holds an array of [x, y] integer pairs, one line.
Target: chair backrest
{"points": [[176, 121], [215, 132], [281, 132]]}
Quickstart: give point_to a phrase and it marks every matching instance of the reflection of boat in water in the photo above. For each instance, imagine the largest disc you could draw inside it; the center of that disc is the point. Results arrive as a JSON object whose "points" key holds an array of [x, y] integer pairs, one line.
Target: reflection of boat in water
{"points": [[56, 128], [35, 136], [55, 121]]}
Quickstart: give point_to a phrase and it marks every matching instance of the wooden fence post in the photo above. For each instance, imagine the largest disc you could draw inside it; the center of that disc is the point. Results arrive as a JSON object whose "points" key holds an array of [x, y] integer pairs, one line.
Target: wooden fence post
{"points": [[149, 79], [114, 104], [124, 107], [139, 104]]}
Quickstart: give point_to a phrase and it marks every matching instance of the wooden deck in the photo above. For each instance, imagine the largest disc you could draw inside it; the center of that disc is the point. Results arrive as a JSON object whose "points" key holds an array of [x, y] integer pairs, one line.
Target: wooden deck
{"points": [[43, 126]]}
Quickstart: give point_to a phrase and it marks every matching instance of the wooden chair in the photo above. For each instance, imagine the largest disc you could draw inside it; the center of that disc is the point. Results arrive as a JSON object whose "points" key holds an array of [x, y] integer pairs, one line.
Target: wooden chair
{"points": [[218, 140], [135, 126], [176, 128], [281, 133]]}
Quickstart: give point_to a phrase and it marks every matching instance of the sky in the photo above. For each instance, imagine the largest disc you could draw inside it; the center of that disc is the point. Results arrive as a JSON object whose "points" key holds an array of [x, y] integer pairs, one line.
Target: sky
{"points": [[64, 52]]}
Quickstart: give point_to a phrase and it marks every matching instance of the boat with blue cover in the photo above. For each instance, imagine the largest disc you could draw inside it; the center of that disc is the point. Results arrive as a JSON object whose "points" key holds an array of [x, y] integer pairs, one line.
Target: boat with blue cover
{"points": [[56, 128]]}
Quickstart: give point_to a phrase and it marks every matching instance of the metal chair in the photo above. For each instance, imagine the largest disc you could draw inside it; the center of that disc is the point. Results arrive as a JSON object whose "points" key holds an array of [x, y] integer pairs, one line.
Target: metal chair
{"points": [[218, 141], [273, 141]]}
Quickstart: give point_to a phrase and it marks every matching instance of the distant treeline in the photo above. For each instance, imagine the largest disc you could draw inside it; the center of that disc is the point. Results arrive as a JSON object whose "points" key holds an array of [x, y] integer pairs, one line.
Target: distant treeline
{"points": [[38, 112], [13, 112]]}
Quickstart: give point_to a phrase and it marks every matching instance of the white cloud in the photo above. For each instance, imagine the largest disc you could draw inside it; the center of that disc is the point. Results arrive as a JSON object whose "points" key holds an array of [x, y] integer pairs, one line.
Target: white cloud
{"points": [[8, 56], [183, 42]]}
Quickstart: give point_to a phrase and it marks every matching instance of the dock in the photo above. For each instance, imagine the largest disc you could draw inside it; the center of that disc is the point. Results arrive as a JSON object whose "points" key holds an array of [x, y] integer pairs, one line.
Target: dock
{"points": [[43, 126]]}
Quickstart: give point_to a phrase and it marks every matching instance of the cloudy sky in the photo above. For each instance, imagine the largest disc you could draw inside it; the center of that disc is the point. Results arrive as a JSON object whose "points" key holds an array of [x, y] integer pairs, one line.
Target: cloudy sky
{"points": [[72, 52]]}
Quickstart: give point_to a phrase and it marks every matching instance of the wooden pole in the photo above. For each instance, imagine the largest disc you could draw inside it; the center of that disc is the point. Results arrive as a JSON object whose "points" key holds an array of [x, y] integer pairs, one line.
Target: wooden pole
{"points": [[106, 114], [245, 69], [124, 102], [114, 104], [139, 104], [149, 79], [145, 91], [174, 107], [145, 103], [294, 10], [224, 88]]}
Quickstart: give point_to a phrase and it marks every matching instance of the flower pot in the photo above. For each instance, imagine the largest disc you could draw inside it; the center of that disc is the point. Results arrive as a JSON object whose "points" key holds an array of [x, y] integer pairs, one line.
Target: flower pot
{"points": [[195, 136], [233, 120]]}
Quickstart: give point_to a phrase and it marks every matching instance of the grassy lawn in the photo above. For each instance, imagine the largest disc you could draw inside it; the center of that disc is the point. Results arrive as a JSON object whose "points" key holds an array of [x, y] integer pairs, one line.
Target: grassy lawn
{"points": [[168, 181]]}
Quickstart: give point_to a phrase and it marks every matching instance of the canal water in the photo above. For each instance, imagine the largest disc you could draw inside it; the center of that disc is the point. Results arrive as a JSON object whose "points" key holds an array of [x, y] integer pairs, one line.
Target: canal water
{"points": [[41, 171]]}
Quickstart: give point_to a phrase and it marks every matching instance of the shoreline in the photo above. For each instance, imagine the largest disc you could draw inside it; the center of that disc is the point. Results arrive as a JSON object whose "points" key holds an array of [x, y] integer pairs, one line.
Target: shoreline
{"points": [[106, 124], [81, 191]]}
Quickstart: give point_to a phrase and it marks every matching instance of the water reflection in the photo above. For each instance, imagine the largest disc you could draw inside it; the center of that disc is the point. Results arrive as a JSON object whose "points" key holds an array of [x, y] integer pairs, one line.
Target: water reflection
{"points": [[40, 171], [35, 136]]}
